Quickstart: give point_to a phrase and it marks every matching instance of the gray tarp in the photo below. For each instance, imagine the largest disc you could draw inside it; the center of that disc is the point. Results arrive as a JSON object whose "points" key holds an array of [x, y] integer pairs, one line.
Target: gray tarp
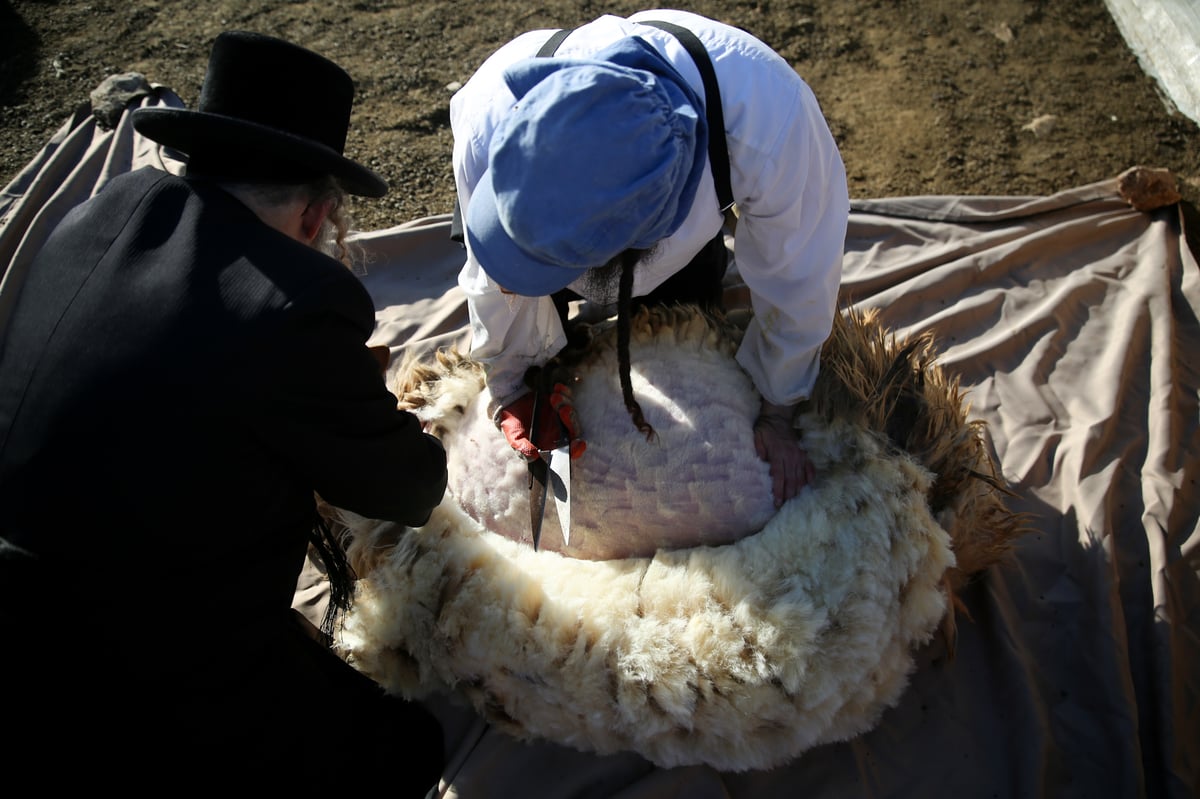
{"points": [[1072, 321]]}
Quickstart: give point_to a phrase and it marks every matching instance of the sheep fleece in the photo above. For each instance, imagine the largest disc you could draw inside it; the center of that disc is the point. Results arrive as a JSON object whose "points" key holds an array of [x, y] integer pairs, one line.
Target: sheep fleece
{"points": [[738, 656]]}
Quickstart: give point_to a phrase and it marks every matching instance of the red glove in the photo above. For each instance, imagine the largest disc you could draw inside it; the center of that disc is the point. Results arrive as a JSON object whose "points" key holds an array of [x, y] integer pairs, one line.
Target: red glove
{"points": [[553, 409]]}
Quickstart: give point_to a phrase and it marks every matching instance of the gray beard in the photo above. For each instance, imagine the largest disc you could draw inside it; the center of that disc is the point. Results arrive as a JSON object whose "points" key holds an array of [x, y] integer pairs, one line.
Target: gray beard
{"points": [[602, 284], [326, 240]]}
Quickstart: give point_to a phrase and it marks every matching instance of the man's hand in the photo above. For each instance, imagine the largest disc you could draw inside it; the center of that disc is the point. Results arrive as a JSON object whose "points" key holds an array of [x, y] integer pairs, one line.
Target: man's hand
{"points": [[778, 443], [555, 408], [383, 356]]}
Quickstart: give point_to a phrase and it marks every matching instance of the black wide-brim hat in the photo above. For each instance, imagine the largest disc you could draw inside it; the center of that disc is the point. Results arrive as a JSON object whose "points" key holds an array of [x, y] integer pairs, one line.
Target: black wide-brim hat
{"points": [[269, 110]]}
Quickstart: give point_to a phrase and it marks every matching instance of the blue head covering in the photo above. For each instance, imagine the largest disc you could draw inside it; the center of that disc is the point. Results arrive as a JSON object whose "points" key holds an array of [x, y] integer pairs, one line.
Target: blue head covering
{"points": [[598, 156]]}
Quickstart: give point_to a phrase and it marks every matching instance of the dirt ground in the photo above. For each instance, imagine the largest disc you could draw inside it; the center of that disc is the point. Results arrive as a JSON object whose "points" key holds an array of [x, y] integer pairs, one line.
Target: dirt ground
{"points": [[1012, 97]]}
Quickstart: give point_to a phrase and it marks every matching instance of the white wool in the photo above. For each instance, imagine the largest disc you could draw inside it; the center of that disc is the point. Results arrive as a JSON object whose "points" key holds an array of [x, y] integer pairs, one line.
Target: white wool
{"points": [[741, 656], [798, 632]]}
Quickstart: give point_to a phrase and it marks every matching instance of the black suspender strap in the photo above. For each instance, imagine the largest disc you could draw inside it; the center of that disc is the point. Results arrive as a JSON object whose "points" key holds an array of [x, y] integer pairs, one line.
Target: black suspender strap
{"points": [[718, 151], [551, 45], [457, 232]]}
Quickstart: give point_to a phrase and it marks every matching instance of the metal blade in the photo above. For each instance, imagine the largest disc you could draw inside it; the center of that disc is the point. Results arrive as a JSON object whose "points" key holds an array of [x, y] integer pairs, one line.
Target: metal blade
{"points": [[560, 481], [537, 498]]}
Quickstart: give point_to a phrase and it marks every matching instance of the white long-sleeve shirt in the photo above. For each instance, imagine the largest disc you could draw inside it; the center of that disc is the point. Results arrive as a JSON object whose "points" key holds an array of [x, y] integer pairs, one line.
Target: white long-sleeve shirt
{"points": [[789, 185]]}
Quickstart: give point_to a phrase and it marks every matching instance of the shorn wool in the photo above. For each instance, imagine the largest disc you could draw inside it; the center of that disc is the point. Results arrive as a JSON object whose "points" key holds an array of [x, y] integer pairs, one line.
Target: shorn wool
{"points": [[689, 620]]}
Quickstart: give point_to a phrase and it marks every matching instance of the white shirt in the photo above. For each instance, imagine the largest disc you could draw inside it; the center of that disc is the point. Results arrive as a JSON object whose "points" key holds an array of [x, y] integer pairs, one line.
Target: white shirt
{"points": [[788, 183]]}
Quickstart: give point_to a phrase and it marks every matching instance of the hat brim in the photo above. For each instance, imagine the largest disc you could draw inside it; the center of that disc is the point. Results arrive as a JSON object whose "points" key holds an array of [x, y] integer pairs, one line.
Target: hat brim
{"points": [[507, 264], [187, 131]]}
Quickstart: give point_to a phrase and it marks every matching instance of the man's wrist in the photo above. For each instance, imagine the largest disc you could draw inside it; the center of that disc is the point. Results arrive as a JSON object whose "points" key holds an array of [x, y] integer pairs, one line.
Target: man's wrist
{"points": [[771, 409]]}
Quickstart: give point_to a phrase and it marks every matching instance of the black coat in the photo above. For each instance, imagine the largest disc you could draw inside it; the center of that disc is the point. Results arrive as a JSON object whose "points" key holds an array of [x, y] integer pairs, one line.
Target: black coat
{"points": [[176, 382]]}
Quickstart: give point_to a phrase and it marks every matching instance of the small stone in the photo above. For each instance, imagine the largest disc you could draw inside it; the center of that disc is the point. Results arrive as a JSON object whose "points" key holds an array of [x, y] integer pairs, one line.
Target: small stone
{"points": [[1042, 125], [114, 93], [1147, 188]]}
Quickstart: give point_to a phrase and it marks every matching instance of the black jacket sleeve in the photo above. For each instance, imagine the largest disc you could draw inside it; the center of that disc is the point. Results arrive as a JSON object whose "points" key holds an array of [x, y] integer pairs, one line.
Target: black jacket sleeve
{"points": [[324, 406]]}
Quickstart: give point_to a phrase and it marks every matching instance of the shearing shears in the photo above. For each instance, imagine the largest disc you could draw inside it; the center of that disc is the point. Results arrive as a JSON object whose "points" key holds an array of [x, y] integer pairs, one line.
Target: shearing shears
{"points": [[550, 472]]}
